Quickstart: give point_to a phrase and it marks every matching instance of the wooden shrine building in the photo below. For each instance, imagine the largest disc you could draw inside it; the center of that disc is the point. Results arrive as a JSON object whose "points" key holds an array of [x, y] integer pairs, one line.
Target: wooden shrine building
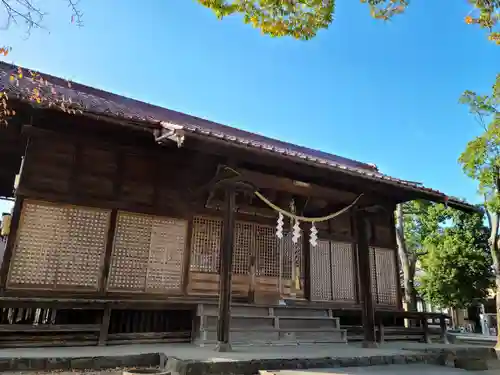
{"points": [[134, 223]]}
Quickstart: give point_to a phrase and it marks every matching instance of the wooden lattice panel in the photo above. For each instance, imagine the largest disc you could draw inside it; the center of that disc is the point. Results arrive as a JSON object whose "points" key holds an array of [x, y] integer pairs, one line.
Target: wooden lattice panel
{"points": [[386, 276], [166, 253], [59, 246], [205, 244], [292, 257], [243, 244], [147, 253], [321, 272], [80, 261], [288, 248], [343, 272], [130, 257], [267, 253], [373, 271]]}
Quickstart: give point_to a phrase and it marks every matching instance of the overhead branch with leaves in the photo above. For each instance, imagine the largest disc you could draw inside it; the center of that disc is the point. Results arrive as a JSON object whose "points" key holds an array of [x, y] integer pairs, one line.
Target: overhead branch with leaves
{"points": [[302, 19]]}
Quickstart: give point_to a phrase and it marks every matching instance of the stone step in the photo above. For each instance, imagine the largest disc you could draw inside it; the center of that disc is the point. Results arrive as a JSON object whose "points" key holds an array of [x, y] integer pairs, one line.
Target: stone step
{"points": [[257, 322], [208, 321], [252, 336], [263, 310]]}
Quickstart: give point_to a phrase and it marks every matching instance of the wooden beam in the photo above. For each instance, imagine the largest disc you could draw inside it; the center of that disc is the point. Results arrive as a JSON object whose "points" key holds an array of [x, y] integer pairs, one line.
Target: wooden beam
{"points": [[303, 188], [225, 269], [365, 284]]}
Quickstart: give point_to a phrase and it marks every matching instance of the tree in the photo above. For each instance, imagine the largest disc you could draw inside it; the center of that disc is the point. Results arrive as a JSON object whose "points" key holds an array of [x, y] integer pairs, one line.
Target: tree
{"points": [[417, 224], [302, 19], [481, 162], [457, 268], [31, 15]]}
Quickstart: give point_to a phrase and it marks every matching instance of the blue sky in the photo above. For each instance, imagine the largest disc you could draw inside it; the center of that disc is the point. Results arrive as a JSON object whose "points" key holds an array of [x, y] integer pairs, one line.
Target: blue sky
{"points": [[384, 93]]}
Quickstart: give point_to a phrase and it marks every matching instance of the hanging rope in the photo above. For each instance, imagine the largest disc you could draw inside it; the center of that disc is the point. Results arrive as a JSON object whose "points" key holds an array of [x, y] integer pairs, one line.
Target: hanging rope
{"points": [[303, 218], [298, 217]]}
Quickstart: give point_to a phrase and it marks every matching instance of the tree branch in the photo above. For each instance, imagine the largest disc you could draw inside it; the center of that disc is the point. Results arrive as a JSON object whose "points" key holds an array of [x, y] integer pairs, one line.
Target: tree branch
{"points": [[25, 10]]}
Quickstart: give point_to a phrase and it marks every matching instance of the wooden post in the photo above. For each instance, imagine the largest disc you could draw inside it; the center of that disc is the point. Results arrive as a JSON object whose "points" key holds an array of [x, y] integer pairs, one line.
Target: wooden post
{"points": [[425, 327], [103, 334], [306, 255], [365, 281], [108, 251], [187, 257], [225, 271], [11, 241], [380, 331], [399, 291]]}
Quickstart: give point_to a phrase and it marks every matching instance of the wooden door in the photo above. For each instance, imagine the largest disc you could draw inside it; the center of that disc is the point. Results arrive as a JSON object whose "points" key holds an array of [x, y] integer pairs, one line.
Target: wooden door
{"points": [[242, 253], [333, 275]]}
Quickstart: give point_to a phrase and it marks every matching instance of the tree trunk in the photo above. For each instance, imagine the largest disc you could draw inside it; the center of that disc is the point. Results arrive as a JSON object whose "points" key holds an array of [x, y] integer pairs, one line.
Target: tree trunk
{"points": [[408, 263], [493, 242]]}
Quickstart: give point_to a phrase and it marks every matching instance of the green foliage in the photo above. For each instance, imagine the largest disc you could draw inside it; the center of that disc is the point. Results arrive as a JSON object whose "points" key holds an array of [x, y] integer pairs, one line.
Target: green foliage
{"points": [[481, 158], [457, 268], [302, 19], [422, 221]]}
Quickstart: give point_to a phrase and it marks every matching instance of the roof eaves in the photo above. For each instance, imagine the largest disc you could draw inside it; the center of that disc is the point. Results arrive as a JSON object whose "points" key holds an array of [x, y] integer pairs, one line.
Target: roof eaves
{"points": [[371, 174], [374, 176]]}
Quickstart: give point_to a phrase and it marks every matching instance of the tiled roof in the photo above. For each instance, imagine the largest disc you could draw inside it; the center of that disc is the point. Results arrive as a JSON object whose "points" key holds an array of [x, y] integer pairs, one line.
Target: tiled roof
{"points": [[92, 100]]}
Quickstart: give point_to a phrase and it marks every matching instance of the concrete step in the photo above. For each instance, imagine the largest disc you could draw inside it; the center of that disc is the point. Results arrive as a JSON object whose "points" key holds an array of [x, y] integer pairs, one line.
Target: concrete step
{"points": [[307, 322], [252, 336], [262, 310], [257, 322]]}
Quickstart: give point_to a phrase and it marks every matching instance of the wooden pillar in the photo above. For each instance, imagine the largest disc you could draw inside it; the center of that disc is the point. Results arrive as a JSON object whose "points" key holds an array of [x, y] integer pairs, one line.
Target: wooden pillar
{"points": [[425, 328], [103, 333], [365, 280], [306, 256], [380, 330], [399, 291], [225, 271], [110, 239]]}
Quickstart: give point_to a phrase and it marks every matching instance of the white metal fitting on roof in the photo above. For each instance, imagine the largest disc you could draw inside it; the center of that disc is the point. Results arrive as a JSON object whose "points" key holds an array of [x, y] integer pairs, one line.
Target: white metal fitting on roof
{"points": [[171, 132]]}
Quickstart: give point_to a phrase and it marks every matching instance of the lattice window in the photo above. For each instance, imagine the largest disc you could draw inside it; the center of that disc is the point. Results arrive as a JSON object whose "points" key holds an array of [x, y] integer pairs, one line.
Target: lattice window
{"points": [[292, 257], [59, 246], [343, 272], [147, 253], [287, 247], [373, 271], [129, 260], [205, 244], [243, 243], [168, 244], [385, 266], [321, 272], [267, 253]]}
